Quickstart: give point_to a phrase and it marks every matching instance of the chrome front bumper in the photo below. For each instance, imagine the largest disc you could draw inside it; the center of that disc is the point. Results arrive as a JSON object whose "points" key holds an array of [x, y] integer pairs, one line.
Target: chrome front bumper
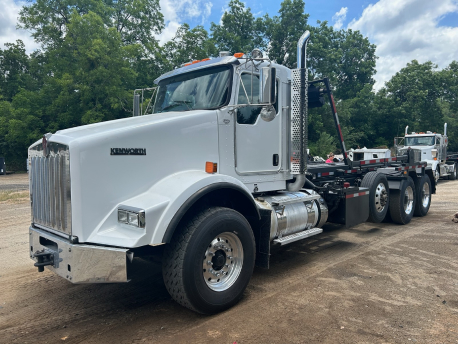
{"points": [[79, 263]]}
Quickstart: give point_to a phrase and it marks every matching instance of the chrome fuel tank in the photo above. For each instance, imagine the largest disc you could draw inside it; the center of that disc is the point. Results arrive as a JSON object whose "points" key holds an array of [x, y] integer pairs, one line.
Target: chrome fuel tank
{"points": [[293, 212]]}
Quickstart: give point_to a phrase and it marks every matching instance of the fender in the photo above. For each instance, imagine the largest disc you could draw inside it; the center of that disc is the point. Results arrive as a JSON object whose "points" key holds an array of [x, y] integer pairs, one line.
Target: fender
{"points": [[197, 196], [434, 164], [164, 203]]}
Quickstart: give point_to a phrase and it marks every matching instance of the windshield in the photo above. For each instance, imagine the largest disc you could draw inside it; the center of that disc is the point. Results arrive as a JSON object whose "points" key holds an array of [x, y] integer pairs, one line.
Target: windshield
{"points": [[420, 141], [202, 89]]}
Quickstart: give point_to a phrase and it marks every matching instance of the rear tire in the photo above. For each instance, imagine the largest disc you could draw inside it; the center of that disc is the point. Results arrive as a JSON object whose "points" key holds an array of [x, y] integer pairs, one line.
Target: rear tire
{"points": [[423, 191], [209, 263], [452, 176], [402, 203], [379, 195]]}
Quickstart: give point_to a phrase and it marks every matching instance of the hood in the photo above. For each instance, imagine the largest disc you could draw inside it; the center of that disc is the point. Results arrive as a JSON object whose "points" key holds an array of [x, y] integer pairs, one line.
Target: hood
{"points": [[111, 162], [114, 127]]}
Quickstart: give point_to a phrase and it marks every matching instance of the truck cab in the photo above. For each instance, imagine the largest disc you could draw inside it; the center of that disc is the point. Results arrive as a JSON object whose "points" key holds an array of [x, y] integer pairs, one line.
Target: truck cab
{"points": [[430, 147]]}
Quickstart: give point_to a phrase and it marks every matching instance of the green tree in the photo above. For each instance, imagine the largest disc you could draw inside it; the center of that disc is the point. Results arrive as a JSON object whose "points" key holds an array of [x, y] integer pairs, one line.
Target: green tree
{"points": [[411, 97], [136, 21], [239, 30], [449, 102], [14, 69], [323, 146], [284, 31], [346, 57], [188, 45]]}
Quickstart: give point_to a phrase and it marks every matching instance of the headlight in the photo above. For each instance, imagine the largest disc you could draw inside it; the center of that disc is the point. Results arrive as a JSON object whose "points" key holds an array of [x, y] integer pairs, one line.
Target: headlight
{"points": [[122, 216], [131, 216]]}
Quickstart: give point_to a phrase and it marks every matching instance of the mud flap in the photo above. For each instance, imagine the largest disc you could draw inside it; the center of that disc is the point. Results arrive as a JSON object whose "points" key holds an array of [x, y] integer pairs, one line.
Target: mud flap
{"points": [[353, 207]]}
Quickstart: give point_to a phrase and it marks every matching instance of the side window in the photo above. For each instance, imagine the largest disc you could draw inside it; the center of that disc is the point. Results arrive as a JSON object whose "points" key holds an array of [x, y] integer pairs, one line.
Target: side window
{"points": [[249, 93]]}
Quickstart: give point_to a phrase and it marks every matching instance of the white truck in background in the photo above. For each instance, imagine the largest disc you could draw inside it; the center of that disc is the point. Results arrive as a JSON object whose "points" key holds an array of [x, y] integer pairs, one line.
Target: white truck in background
{"points": [[432, 148]]}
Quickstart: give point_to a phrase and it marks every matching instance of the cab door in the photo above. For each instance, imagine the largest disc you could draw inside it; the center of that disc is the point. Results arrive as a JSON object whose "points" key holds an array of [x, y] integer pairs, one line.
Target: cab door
{"points": [[257, 141]]}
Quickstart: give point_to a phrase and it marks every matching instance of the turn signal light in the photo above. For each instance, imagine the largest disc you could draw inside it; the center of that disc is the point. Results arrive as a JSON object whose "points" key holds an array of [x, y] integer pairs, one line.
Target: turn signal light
{"points": [[239, 55], [435, 158], [211, 167]]}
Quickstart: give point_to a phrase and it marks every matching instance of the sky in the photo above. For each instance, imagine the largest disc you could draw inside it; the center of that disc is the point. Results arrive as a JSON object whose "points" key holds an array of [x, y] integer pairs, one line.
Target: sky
{"points": [[403, 30]]}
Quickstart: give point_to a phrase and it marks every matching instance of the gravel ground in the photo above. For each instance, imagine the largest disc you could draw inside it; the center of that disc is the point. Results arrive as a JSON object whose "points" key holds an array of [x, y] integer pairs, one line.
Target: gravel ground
{"points": [[373, 283], [15, 182]]}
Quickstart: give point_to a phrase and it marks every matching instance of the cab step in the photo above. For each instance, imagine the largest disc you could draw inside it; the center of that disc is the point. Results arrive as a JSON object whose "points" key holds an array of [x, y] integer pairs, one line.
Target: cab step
{"points": [[297, 236]]}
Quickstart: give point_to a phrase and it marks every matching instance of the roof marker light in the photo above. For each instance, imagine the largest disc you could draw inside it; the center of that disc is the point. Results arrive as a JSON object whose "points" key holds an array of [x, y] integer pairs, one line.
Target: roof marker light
{"points": [[239, 55]]}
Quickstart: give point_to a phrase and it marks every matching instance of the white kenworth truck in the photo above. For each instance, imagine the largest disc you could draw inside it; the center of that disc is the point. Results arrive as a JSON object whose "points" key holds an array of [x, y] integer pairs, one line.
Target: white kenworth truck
{"points": [[432, 148], [214, 175]]}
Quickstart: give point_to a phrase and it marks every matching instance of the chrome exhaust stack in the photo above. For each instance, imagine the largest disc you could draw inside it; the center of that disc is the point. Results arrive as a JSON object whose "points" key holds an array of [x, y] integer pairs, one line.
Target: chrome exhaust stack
{"points": [[299, 120]]}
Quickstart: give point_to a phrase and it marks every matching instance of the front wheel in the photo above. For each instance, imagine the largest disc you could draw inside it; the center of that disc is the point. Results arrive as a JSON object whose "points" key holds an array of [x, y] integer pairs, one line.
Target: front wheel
{"points": [[437, 174], [402, 203], [452, 175], [209, 263], [423, 191]]}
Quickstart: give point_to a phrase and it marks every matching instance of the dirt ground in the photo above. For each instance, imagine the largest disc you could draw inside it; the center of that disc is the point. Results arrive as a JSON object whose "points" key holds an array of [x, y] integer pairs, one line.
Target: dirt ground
{"points": [[374, 283]]}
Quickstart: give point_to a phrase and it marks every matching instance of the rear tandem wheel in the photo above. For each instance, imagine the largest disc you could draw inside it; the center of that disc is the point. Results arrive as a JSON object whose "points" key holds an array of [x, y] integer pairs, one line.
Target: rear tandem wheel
{"points": [[379, 195], [403, 201], [423, 192]]}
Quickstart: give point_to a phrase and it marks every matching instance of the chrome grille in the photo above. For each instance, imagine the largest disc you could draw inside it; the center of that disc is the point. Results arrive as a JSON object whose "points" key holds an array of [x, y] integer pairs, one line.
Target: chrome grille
{"points": [[50, 187]]}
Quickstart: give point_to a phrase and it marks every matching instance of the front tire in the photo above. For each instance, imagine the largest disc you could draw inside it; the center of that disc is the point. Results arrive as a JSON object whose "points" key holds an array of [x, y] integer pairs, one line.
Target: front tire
{"points": [[402, 203], [379, 195], [209, 263], [423, 191], [437, 174], [452, 176]]}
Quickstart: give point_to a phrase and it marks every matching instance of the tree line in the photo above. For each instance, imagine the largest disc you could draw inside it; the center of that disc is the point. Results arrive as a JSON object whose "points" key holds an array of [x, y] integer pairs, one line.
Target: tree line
{"points": [[95, 53]]}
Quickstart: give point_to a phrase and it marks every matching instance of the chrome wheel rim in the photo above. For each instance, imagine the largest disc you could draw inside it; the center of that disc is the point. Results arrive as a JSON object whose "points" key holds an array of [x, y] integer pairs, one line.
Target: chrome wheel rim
{"points": [[408, 200], [425, 195], [381, 197], [223, 261]]}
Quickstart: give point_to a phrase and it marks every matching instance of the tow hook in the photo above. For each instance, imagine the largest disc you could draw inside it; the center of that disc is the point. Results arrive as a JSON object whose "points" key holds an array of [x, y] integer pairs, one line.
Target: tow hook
{"points": [[43, 258]]}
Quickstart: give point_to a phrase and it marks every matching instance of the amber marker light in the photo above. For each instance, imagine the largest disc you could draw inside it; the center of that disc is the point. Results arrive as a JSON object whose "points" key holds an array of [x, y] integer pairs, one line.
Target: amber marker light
{"points": [[239, 55], [211, 167]]}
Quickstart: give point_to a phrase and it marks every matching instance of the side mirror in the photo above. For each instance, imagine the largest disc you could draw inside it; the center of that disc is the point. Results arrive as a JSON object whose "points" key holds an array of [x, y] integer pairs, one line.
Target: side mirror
{"points": [[136, 105], [315, 97], [267, 82]]}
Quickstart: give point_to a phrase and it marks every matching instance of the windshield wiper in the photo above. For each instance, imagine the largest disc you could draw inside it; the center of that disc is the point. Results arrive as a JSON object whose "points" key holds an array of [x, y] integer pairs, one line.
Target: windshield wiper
{"points": [[176, 103]]}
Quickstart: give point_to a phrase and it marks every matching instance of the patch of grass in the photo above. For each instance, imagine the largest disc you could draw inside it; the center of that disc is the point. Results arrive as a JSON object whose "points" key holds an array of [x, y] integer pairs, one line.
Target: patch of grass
{"points": [[14, 196]]}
